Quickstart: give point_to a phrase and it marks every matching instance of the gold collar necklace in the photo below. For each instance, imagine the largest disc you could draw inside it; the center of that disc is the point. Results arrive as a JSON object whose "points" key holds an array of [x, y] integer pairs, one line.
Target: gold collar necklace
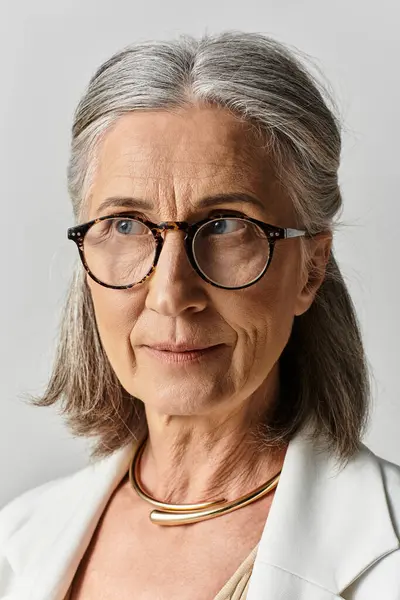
{"points": [[183, 514]]}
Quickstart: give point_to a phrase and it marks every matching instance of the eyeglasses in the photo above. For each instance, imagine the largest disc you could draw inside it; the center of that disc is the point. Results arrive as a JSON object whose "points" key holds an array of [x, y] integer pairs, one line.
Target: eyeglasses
{"points": [[121, 250]]}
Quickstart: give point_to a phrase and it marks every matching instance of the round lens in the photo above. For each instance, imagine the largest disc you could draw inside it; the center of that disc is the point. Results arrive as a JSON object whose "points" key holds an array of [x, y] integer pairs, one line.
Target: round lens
{"points": [[231, 252], [119, 251]]}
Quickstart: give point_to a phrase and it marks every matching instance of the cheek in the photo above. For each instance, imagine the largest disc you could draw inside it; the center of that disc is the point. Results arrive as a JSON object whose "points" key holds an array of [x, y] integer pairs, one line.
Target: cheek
{"points": [[116, 313], [262, 315]]}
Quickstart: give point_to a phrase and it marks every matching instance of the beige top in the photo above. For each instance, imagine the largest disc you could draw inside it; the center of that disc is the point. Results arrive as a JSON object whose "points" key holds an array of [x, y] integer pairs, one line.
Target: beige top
{"points": [[235, 588]]}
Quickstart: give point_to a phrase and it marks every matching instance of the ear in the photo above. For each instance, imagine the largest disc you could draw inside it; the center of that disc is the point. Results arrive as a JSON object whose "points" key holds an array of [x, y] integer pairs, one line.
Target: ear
{"points": [[314, 270]]}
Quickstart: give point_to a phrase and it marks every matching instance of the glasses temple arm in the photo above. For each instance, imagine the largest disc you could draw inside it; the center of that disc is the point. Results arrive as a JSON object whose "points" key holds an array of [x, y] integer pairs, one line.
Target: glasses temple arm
{"points": [[291, 233]]}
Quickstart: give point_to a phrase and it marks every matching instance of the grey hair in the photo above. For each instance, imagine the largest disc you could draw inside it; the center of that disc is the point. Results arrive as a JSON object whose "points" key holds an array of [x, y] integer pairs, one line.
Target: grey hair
{"points": [[323, 368]]}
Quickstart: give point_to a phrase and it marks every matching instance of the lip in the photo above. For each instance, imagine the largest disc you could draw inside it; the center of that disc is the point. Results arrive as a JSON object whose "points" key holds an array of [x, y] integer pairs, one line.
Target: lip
{"points": [[183, 347], [182, 356]]}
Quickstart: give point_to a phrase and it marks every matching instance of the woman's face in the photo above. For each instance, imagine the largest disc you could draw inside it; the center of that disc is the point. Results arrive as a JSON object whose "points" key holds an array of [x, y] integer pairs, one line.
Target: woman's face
{"points": [[172, 161]]}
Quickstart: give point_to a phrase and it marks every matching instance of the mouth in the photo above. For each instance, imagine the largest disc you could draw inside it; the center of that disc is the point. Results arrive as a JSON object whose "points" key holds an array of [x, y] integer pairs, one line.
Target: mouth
{"points": [[182, 356]]}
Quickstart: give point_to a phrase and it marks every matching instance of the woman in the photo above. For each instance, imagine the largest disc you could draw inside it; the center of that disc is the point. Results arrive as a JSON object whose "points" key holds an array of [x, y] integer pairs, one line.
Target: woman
{"points": [[210, 346]]}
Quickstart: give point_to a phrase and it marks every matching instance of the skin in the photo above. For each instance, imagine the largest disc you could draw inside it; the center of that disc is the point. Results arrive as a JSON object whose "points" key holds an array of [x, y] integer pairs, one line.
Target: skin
{"points": [[199, 413]]}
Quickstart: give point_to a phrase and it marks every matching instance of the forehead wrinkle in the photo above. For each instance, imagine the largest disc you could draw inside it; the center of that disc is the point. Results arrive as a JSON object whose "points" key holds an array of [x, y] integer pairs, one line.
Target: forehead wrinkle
{"points": [[176, 192], [237, 157], [235, 164], [197, 170]]}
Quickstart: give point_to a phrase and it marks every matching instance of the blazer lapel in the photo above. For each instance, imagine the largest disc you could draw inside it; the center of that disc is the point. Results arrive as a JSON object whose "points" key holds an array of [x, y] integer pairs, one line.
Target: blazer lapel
{"points": [[46, 552], [325, 526]]}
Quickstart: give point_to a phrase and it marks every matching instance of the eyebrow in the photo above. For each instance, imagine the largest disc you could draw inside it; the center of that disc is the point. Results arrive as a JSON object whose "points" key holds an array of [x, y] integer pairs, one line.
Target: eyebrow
{"points": [[205, 202]]}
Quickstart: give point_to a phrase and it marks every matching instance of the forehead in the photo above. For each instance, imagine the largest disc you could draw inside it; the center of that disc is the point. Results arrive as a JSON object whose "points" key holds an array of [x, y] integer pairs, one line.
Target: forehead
{"points": [[172, 159]]}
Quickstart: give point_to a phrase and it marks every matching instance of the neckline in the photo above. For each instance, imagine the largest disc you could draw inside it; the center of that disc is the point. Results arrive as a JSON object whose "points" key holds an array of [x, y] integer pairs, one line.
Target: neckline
{"points": [[243, 569]]}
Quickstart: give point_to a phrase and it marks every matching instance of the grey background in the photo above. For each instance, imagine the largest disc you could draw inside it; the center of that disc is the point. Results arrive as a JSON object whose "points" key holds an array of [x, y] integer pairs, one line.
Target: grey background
{"points": [[49, 50]]}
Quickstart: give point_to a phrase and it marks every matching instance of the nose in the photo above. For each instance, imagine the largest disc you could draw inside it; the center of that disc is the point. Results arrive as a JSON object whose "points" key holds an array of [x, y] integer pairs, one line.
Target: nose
{"points": [[175, 287]]}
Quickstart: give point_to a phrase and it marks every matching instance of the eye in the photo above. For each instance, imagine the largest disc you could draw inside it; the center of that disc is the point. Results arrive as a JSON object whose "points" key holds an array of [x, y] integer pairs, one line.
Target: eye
{"points": [[225, 226], [127, 227]]}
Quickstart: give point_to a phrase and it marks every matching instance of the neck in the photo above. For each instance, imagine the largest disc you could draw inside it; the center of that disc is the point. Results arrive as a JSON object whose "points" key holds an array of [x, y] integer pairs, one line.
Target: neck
{"points": [[188, 460]]}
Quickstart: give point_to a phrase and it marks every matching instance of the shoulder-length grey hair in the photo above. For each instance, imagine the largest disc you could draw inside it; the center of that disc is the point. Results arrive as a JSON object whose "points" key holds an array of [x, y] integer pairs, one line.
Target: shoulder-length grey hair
{"points": [[323, 369]]}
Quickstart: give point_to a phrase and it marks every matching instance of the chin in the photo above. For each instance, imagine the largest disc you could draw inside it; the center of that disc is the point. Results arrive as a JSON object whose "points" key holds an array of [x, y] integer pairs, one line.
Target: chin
{"points": [[177, 398], [175, 391]]}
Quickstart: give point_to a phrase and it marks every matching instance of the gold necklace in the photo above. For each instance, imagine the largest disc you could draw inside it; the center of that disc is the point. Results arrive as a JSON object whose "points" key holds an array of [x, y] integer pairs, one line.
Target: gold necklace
{"points": [[183, 514]]}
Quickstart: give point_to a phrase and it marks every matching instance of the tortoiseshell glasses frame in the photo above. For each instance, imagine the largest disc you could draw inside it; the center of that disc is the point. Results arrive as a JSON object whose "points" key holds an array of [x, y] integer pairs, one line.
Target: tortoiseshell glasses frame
{"points": [[273, 234]]}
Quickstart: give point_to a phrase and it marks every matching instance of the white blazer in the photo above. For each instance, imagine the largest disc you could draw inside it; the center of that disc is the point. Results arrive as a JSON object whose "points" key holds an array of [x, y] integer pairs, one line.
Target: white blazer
{"points": [[329, 534]]}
